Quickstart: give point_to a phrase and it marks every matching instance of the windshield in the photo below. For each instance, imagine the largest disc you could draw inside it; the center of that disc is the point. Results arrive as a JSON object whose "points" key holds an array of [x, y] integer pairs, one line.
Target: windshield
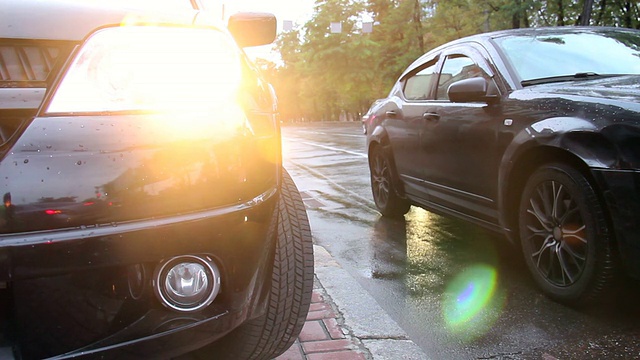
{"points": [[560, 54]]}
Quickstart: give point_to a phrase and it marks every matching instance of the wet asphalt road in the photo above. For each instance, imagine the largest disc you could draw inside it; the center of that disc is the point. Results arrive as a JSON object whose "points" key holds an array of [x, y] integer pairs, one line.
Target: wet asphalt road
{"points": [[458, 291]]}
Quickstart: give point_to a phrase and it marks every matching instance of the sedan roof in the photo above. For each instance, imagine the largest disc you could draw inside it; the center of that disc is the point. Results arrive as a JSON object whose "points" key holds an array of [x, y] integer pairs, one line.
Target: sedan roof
{"points": [[484, 38]]}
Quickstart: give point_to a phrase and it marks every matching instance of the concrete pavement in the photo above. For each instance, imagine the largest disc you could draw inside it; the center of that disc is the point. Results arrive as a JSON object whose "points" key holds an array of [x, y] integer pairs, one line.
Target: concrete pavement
{"points": [[345, 322]]}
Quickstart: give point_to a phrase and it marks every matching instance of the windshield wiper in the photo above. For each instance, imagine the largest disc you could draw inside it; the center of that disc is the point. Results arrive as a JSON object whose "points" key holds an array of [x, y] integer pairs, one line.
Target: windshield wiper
{"points": [[561, 78]]}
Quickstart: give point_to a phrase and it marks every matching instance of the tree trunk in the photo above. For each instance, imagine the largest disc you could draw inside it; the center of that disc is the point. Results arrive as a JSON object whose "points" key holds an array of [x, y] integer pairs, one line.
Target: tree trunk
{"points": [[517, 14], [560, 13], [417, 20], [627, 14], [585, 17], [603, 5]]}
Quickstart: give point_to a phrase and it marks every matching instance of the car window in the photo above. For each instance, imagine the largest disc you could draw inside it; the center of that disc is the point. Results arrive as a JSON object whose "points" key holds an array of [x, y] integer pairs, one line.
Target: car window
{"points": [[456, 68], [418, 86]]}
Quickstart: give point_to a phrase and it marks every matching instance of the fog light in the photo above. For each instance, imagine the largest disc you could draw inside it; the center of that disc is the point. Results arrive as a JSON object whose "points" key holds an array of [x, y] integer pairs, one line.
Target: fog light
{"points": [[187, 283]]}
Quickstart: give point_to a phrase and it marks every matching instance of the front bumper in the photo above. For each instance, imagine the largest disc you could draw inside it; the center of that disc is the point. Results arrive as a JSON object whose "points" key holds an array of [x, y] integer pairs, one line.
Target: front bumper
{"points": [[621, 192], [69, 293]]}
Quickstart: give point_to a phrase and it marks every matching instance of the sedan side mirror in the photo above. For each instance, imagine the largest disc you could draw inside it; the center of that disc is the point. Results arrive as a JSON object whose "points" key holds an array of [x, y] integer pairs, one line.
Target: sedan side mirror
{"points": [[252, 29], [470, 90]]}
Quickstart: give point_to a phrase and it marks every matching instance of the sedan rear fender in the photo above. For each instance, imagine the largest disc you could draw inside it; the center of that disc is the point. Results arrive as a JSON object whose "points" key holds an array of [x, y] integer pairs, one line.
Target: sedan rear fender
{"points": [[378, 136], [573, 140], [380, 111]]}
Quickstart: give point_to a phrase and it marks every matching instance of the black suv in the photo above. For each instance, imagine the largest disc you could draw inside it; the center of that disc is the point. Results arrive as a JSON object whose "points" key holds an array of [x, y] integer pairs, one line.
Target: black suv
{"points": [[146, 213]]}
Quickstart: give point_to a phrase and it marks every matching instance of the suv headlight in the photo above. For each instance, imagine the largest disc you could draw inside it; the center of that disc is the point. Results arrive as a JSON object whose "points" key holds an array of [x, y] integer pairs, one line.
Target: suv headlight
{"points": [[150, 68]]}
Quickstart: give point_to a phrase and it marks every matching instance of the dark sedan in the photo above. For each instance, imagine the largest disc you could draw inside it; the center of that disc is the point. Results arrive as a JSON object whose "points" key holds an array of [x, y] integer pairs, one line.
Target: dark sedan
{"points": [[532, 133], [145, 213]]}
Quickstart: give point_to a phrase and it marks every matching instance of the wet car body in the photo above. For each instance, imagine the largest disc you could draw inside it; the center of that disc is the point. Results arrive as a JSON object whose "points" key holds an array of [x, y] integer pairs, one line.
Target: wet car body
{"points": [[94, 201], [471, 155], [608, 145]]}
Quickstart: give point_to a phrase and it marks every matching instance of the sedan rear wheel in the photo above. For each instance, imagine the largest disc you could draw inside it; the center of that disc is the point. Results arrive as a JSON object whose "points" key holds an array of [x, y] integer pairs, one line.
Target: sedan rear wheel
{"points": [[384, 192], [565, 236]]}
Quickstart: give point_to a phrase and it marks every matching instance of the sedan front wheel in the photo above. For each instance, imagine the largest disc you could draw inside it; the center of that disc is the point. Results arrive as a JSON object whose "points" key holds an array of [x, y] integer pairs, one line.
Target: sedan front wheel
{"points": [[565, 237]]}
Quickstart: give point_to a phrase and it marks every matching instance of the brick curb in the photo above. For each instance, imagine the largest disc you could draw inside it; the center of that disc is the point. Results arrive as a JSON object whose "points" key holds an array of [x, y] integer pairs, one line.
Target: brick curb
{"points": [[324, 336]]}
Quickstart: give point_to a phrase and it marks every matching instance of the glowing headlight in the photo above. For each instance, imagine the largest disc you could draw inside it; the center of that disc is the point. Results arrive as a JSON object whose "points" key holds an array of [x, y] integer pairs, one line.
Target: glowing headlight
{"points": [[150, 68], [187, 283]]}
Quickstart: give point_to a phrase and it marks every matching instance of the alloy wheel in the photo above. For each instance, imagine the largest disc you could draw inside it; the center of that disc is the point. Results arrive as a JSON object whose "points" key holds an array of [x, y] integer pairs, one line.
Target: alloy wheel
{"points": [[556, 237], [380, 179]]}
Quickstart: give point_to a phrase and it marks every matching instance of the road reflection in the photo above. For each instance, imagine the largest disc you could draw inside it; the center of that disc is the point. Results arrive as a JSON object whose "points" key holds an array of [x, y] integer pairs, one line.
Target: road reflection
{"points": [[434, 256], [459, 292]]}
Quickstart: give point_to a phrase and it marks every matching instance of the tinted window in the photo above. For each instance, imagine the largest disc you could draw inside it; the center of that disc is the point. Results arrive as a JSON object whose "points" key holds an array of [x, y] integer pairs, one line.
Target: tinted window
{"points": [[418, 86], [456, 68]]}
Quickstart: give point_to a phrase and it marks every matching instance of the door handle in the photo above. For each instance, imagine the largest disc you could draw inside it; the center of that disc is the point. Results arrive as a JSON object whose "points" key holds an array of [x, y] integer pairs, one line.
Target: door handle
{"points": [[391, 113], [431, 116]]}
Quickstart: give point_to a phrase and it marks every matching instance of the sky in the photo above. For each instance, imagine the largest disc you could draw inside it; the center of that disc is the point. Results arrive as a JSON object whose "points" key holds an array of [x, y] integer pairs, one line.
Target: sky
{"points": [[297, 11]]}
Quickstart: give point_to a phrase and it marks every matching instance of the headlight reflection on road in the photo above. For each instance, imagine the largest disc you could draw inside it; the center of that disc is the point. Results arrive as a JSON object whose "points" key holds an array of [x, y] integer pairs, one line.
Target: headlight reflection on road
{"points": [[471, 303]]}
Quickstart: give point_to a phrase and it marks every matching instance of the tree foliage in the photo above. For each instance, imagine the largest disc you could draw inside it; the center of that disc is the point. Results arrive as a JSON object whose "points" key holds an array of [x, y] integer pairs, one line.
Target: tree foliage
{"points": [[332, 76]]}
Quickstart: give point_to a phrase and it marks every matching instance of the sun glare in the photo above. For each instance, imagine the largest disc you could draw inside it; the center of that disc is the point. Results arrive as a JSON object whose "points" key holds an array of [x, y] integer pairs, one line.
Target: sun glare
{"points": [[151, 68]]}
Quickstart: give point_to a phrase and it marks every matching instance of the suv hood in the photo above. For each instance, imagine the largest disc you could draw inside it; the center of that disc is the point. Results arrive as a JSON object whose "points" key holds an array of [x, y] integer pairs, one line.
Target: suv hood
{"points": [[74, 170], [72, 19]]}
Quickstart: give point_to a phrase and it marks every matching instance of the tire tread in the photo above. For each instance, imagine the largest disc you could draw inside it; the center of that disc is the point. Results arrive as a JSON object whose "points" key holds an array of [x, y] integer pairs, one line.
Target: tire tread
{"points": [[271, 334]]}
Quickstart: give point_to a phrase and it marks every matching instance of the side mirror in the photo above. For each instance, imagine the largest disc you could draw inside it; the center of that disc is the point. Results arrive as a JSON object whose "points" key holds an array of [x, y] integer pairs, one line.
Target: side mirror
{"points": [[252, 29], [470, 90]]}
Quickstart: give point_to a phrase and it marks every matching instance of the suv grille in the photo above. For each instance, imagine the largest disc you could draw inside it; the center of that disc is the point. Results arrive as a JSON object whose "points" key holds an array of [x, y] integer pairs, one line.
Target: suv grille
{"points": [[28, 64], [26, 69]]}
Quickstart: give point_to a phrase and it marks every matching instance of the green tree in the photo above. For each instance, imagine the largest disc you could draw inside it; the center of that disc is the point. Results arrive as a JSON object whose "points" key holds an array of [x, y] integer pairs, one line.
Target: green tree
{"points": [[287, 78], [331, 76], [397, 40], [334, 62]]}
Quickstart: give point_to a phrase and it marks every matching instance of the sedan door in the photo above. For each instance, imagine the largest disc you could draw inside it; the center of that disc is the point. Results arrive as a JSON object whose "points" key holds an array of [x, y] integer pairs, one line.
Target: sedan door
{"points": [[405, 124], [459, 143]]}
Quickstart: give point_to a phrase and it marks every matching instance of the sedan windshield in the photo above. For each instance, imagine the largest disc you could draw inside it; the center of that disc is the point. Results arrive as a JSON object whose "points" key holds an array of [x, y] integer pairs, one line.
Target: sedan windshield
{"points": [[563, 56]]}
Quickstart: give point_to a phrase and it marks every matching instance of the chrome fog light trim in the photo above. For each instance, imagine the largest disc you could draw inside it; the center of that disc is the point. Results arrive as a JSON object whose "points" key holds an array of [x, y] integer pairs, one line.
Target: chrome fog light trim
{"points": [[137, 278], [187, 283]]}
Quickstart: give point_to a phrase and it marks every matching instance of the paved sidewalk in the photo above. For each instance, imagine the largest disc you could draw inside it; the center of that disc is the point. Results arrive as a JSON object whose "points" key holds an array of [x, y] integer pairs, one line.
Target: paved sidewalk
{"points": [[323, 337], [346, 323]]}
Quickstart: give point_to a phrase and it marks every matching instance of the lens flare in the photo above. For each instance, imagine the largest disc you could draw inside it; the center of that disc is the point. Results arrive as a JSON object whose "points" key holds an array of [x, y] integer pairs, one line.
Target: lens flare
{"points": [[471, 302]]}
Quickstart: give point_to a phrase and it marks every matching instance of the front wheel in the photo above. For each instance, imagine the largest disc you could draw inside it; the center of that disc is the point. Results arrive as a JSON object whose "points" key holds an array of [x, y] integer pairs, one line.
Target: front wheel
{"points": [[382, 185], [565, 237], [274, 332]]}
